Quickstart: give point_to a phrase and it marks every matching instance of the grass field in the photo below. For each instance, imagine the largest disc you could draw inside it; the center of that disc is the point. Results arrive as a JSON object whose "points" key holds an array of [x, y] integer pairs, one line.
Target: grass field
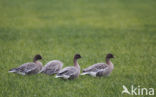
{"points": [[57, 29]]}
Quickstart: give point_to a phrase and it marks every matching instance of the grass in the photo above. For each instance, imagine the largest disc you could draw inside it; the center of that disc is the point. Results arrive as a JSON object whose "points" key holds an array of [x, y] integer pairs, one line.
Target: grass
{"points": [[57, 29]]}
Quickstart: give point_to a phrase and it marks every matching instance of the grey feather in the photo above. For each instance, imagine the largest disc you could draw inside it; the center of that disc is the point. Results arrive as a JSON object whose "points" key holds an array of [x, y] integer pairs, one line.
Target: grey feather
{"points": [[52, 67], [28, 68], [99, 69], [69, 72], [95, 67]]}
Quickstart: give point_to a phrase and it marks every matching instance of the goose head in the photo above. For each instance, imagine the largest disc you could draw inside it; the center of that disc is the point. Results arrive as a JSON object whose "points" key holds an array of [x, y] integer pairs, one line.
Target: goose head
{"points": [[109, 56], [77, 56], [37, 57]]}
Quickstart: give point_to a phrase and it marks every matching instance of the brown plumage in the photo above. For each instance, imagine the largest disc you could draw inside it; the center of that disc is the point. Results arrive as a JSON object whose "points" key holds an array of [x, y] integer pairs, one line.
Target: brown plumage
{"points": [[52, 67], [70, 72], [29, 68], [100, 69]]}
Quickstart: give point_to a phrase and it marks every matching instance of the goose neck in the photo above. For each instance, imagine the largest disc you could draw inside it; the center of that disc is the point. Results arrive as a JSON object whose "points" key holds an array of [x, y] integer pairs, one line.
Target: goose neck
{"points": [[37, 62], [76, 63], [108, 61]]}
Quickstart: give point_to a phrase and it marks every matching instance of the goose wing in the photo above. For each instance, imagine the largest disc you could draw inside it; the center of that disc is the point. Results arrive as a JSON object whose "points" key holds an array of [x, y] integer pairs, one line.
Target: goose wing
{"points": [[52, 67], [26, 68], [68, 72], [96, 67]]}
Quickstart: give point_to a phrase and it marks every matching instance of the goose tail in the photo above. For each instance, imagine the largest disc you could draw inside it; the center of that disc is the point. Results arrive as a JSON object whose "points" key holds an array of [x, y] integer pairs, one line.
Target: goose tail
{"points": [[84, 73], [12, 70], [89, 73], [41, 71], [64, 76], [16, 70], [57, 76]]}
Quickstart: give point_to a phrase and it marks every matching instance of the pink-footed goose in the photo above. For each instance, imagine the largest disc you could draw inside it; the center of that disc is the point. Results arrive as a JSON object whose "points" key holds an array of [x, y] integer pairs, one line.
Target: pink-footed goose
{"points": [[29, 68], [52, 67], [100, 69], [70, 72]]}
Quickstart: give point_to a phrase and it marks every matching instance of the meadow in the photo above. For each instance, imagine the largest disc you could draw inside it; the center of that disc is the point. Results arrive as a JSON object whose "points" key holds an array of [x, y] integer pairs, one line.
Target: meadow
{"points": [[57, 29]]}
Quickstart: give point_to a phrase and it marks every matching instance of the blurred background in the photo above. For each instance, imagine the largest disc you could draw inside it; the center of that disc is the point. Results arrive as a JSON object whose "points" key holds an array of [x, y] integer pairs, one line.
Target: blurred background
{"points": [[57, 29]]}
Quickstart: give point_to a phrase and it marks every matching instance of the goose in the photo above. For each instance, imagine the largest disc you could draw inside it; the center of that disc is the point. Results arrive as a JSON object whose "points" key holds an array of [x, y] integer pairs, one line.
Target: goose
{"points": [[70, 72], [52, 67], [29, 68], [100, 69]]}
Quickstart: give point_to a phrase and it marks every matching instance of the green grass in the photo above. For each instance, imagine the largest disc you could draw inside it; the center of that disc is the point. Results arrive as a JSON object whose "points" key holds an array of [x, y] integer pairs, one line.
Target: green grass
{"points": [[57, 29]]}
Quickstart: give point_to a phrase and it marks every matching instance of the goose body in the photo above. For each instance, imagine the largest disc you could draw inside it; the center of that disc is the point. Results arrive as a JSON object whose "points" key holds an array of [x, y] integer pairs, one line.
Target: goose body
{"points": [[52, 67], [29, 68], [70, 72], [100, 69]]}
